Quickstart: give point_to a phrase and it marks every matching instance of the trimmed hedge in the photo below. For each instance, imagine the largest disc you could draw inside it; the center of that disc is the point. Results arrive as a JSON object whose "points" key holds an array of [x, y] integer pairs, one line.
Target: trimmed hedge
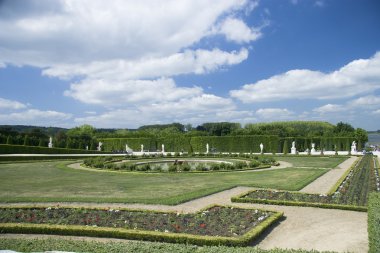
{"points": [[20, 149], [134, 234], [176, 143], [241, 144], [374, 222], [72, 245], [110, 144], [241, 199]]}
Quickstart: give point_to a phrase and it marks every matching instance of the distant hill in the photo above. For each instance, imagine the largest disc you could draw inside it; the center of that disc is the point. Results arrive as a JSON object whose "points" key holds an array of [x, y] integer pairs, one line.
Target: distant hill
{"points": [[26, 129]]}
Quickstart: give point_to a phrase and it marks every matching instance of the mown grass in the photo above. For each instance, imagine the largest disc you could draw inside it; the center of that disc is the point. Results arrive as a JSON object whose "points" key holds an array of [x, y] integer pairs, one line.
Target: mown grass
{"points": [[312, 161], [53, 181], [50, 244]]}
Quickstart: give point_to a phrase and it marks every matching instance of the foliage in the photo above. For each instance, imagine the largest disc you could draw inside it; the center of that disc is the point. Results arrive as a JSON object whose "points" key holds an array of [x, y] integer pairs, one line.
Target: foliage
{"points": [[65, 244], [20, 149], [374, 222]]}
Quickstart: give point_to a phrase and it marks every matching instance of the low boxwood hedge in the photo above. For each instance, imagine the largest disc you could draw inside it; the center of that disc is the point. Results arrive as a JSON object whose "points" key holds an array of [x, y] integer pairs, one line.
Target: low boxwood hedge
{"points": [[241, 199], [374, 222]]}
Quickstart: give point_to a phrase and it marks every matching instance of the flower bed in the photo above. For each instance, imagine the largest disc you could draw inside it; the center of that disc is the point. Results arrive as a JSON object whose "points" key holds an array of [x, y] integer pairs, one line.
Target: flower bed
{"points": [[353, 191], [216, 221]]}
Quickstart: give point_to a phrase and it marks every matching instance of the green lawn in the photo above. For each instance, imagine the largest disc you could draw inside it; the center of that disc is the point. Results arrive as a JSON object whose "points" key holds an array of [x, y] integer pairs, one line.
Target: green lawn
{"points": [[52, 181], [312, 161]]}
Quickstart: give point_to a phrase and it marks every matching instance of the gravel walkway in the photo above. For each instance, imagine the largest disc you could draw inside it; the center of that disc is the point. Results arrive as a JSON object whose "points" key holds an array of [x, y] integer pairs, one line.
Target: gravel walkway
{"points": [[323, 184]]}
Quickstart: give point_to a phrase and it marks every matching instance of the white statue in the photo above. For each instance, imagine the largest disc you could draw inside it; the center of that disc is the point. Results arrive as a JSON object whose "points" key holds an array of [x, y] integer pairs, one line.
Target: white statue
{"points": [[207, 148], [142, 148], [293, 150], [87, 147], [353, 147], [261, 148], [50, 142], [100, 146], [163, 148], [127, 149], [312, 147]]}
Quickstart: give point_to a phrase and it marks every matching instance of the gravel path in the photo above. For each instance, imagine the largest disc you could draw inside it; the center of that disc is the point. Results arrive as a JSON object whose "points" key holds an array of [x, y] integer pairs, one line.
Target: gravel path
{"points": [[302, 228], [323, 184]]}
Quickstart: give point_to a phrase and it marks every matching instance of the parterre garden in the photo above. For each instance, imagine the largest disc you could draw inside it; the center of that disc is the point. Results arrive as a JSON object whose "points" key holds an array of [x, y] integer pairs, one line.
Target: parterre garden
{"points": [[216, 225]]}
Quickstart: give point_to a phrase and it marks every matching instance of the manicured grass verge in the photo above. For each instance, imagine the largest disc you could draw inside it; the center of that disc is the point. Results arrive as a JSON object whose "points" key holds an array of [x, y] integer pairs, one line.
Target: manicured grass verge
{"points": [[374, 222], [23, 159], [74, 245], [138, 234]]}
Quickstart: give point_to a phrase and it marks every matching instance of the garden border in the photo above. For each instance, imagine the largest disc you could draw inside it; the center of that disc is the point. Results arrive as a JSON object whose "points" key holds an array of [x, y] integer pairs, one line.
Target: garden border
{"points": [[144, 235], [240, 199], [335, 187]]}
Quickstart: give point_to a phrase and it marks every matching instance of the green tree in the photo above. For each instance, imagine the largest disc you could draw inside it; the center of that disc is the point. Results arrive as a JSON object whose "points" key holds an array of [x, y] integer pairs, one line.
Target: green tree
{"points": [[9, 140], [41, 143], [361, 136], [26, 140], [285, 149]]}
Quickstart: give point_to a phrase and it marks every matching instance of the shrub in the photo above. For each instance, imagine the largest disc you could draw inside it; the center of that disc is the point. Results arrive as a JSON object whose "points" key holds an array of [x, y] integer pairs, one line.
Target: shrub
{"points": [[214, 166], [254, 164], [240, 165], [173, 168], [374, 222], [186, 167]]}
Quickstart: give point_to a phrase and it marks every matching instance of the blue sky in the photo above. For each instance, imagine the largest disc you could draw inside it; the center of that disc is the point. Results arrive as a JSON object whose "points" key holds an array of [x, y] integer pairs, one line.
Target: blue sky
{"points": [[67, 63]]}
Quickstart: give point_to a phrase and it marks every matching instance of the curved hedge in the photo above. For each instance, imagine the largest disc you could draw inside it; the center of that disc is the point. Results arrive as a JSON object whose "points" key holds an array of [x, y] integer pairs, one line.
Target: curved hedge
{"points": [[110, 144], [20, 149]]}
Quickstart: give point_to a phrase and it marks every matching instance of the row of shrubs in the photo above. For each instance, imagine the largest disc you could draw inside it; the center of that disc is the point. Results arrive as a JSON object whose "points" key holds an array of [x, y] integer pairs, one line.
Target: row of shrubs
{"points": [[20, 149], [374, 222]]}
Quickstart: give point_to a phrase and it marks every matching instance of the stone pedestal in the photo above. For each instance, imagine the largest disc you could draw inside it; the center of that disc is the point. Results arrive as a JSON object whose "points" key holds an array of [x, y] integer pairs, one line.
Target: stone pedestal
{"points": [[293, 151]]}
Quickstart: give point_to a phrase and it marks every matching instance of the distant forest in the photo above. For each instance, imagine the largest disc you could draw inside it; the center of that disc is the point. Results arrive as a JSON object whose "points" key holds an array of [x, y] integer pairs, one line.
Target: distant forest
{"points": [[86, 135]]}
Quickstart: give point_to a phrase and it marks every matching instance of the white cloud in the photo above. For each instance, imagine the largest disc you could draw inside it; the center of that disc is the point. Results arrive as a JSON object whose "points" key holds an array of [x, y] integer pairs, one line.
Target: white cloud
{"points": [[129, 92], [198, 62], [70, 31], [195, 110], [2, 65], [357, 77], [236, 30], [319, 3], [38, 117], [329, 108], [366, 101], [11, 104], [376, 112], [274, 113]]}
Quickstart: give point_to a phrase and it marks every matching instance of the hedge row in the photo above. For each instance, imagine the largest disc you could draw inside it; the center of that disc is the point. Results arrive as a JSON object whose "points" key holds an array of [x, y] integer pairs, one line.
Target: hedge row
{"points": [[239, 143], [134, 234], [20, 149], [374, 222], [241, 199], [72, 245]]}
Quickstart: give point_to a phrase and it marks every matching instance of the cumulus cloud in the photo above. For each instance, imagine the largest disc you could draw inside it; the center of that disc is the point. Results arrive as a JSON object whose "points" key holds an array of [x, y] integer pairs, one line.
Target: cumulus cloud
{"points": [[366, 101], [11, 104], [329, 108], [70, 31], [357, 77], [129, 92], [195, 110], [198, 62], [236, 30], [38, 117], [274, 113]]}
